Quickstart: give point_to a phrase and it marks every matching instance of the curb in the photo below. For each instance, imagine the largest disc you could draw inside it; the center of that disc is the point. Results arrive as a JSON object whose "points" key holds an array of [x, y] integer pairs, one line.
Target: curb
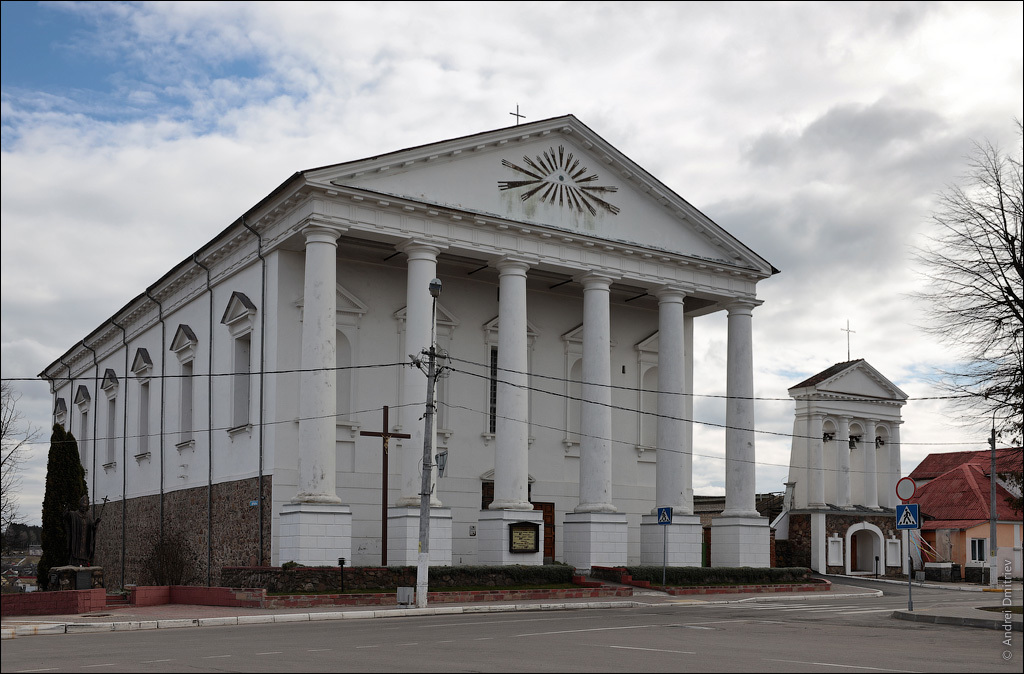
{"points": [[983, 623], [80, 628]]}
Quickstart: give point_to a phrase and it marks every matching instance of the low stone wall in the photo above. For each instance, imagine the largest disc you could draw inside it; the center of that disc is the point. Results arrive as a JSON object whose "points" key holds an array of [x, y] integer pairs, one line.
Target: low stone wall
{"points": [[53, 603]]}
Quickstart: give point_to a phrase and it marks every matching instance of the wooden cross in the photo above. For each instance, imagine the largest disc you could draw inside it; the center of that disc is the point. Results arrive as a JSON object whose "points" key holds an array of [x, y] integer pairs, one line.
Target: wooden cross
{"points": [[384, 436], [517, 115], [847, 330]]}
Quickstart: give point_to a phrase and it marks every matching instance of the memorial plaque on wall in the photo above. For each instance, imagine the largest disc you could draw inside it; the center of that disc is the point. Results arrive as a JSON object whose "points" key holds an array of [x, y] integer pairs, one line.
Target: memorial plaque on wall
{"points": [[524, 537]]}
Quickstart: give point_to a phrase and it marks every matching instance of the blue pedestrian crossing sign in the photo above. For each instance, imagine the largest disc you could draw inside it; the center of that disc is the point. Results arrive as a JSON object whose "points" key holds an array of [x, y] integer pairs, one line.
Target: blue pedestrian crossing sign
{"points": [[908, 516], [664, 515]]}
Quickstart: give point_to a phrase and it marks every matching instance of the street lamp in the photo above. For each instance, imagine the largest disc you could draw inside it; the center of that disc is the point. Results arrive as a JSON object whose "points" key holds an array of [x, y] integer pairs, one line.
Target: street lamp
{"points": [[423, 559]]}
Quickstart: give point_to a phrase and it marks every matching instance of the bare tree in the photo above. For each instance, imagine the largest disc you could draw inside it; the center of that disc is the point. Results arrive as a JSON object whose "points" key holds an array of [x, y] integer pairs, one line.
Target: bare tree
{"points": [[975, 294], [15, 439]]}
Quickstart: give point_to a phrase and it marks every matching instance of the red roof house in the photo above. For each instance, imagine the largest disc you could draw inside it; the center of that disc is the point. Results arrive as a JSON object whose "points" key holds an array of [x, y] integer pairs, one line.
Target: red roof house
{"points": [[955, 510]]}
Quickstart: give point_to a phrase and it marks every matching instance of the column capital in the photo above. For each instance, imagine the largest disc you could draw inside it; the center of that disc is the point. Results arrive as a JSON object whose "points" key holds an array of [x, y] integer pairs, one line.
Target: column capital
{"points": [[514, 264], [741, 305], [320, 233], [597, 279], [672, 293], [421, 249]]}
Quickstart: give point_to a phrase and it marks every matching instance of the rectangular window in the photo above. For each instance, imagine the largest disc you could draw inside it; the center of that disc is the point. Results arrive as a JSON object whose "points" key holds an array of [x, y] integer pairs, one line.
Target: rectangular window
{"points": [[143, 418], [111, 430], [240, 409], [186, 402], [978, 549], [493, 393], [83, 445]]}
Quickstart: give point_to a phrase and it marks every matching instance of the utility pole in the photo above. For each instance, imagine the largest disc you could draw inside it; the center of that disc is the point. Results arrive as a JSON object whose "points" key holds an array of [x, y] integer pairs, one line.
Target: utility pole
{"points": [[993, 547], [423, 559]]}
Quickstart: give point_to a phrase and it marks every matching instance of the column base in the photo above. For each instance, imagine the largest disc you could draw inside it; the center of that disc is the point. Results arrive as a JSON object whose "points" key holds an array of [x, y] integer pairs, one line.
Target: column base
{"points": [[678, 544], [315, 534], [595, 539], [404, 536], [740, 541], [492, 538]]}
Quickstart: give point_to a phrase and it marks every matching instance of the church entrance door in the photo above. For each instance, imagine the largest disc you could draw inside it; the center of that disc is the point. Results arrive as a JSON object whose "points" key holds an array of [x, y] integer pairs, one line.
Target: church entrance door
{"points": [[549, 530]]}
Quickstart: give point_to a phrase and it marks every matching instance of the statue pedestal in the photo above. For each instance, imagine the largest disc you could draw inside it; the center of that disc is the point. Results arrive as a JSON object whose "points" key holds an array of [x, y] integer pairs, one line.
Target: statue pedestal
{"points": [[76, 577]]}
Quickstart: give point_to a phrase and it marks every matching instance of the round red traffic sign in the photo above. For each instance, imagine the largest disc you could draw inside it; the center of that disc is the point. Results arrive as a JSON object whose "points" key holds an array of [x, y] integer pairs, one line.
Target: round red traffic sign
{"points": [[905, 489]]}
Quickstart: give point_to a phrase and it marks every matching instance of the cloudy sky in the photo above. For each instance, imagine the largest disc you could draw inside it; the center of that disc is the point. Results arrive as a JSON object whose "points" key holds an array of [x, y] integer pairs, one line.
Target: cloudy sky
{"points": [[817, 133]]}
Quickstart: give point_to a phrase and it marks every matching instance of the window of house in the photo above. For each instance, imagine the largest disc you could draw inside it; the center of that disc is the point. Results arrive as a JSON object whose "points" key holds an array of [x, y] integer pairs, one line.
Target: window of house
{"points": [[978, 549]]}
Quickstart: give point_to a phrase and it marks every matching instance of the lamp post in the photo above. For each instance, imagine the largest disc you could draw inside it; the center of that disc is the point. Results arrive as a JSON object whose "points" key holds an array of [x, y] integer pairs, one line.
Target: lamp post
{"points": [[423, 559]]}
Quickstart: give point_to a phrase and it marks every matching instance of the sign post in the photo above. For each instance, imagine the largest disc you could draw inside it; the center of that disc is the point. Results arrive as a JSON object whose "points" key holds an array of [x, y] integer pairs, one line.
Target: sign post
{"points": [[908, 517], [664, 519]]}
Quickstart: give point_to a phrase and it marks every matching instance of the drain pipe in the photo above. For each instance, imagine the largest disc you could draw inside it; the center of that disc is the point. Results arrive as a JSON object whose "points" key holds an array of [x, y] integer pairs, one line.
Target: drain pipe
{"points": [[209, 430], [124, 452], [163, 379], [96, 385], [71, 398], [263, 352]]}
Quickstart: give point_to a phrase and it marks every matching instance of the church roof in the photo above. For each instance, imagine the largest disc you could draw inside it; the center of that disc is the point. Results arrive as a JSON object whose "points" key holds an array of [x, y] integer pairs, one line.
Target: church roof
{"points": [[856, 378], [1007, 459], [826, 374], [959, 499]]}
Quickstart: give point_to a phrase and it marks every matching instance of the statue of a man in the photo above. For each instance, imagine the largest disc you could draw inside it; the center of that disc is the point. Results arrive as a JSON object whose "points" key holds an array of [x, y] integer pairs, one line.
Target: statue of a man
{"points": [[80, 531]]}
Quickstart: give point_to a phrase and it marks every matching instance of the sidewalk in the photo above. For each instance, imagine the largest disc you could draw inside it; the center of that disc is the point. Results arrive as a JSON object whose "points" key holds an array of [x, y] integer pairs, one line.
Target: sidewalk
{"points": [[173, 616], [964, 615]]}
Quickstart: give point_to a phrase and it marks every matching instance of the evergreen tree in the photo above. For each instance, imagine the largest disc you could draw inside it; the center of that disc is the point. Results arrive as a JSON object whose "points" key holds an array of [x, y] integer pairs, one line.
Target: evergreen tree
{"points": [[65, 487]]}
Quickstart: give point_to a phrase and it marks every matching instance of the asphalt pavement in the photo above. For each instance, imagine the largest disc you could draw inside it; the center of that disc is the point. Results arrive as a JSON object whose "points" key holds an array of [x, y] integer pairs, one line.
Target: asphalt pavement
{"points": [[966, 612]]}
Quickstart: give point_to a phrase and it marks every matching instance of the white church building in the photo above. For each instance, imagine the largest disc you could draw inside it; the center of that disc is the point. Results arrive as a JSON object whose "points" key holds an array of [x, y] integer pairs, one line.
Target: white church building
{"points": [[239, 401], [839, 510]]}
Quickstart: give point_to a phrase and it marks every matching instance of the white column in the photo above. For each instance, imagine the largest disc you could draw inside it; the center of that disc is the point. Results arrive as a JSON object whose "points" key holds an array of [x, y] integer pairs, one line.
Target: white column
{"points": [[678, 544], [511, 441], [316, 527], [740, 473], [674, 456], [740, 536], [596, 534], [422, 269], [816, 469], [843, 474], [595, 412], [895, 468], [688, 403], [870, 465], [317, 395]]}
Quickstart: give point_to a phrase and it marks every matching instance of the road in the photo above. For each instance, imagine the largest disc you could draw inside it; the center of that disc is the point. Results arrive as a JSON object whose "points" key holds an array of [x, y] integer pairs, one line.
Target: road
{"points": [[841, 635]]}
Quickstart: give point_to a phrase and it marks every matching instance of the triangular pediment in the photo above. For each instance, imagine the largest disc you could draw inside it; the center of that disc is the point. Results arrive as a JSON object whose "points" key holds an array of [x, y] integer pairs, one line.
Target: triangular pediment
{"points": [[855, 379], [443, 315], [184, 338], [142, 363], [555, 174]]}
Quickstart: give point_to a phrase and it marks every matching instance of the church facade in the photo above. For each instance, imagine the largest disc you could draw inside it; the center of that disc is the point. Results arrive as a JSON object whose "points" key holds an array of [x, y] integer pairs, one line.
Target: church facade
{"points": [[839, 514], [237, 405]]}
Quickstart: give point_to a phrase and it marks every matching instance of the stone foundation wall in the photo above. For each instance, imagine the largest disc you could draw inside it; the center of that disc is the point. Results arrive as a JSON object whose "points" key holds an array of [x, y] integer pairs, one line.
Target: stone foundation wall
{"points": [[131, 529], [799, 540], [799, 546]]}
